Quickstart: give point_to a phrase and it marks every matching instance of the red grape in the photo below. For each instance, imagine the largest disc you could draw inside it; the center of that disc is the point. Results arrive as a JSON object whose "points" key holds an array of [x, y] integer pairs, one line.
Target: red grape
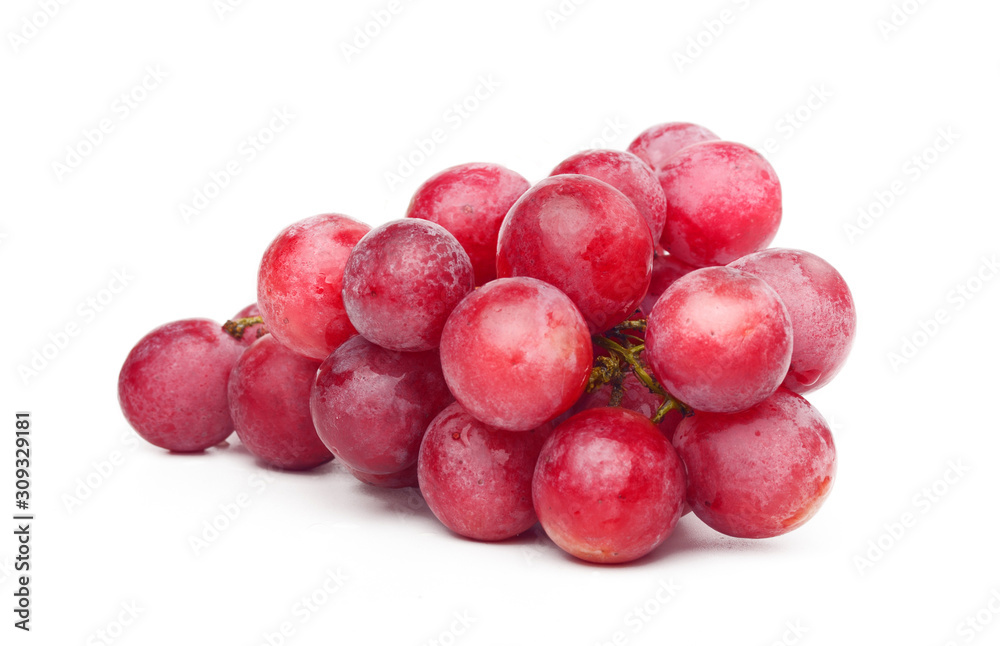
{"points": [[477, 479], [659, 143], [724, 200], [821, 307], [371, 405], [629, 174], [719, 339], [761, 472], [269, 401], [299, 284], [470, 201], [401, 282], [172, 387], [608, 487], [666, 270], [584, 237], [516, 353]]}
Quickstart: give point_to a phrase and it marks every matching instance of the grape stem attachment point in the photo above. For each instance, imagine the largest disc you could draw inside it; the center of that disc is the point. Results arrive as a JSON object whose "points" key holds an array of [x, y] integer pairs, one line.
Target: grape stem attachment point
{"points": [[625, 355], [236, 328]]}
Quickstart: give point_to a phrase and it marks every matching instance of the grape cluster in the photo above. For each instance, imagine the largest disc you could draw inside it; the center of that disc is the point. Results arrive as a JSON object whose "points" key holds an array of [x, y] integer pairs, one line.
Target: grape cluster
{"points": [[599, 352]]}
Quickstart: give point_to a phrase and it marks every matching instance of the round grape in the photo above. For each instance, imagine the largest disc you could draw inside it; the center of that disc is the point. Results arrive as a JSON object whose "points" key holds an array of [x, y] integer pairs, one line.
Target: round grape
{"points": [[584, 237], [759, 473], [172, 387], [719, 339], [401, 282], [629, 174], [477, 479], [608, 487], [371, 405], [516, 353], [659, 143], [725, 202], [470, 201], [300, 280], [269, 401], [820, 305]]}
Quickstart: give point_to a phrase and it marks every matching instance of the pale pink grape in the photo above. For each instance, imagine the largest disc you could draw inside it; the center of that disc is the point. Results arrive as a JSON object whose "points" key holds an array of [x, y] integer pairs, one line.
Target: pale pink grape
{"points": [[822, 310], [719, 339], [657, 144]]}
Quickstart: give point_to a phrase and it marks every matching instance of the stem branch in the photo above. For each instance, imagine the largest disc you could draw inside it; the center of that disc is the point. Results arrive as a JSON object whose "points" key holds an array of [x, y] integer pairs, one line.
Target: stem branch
{"points": [[609, 369], [236, 328]]}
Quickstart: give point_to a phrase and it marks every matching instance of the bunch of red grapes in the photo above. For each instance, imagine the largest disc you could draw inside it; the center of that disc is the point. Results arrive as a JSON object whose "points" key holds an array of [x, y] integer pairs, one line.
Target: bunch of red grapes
{"points": [[599, 352]]}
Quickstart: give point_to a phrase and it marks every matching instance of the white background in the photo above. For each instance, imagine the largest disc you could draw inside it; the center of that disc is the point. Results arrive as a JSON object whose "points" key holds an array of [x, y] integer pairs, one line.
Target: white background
{"points": [[115, 516]]}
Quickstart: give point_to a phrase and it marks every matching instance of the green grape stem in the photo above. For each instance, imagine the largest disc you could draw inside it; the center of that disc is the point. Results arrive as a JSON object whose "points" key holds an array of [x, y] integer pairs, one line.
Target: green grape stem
{"points": [[236, 328], [632, 324], [625, 355]]}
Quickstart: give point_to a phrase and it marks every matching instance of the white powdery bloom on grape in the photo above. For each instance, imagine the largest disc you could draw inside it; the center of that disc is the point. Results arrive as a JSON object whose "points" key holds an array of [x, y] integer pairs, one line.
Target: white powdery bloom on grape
{"points": [[402, 281]]}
